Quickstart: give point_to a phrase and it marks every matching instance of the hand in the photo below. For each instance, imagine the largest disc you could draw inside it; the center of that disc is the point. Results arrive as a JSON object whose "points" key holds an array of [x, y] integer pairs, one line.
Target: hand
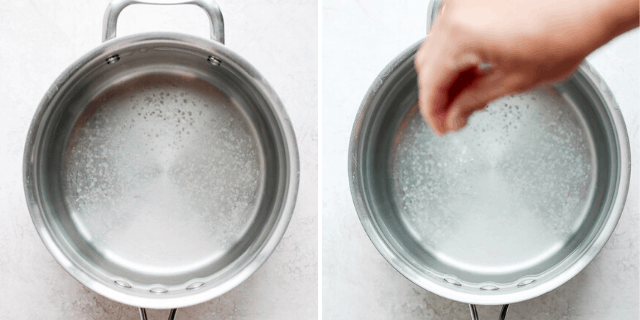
{"points": [[526, 42]]}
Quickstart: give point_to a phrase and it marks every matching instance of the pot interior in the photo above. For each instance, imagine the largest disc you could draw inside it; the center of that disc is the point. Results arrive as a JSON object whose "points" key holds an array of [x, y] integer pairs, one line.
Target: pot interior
{"points": [[163, 171], [506, 204]]}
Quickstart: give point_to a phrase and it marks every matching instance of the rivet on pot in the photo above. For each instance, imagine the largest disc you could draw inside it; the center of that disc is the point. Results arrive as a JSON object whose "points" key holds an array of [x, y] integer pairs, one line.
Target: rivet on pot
{"points": [[489, 287], [159, 290], [122, 283], [195, 285], [526, 282], [214, 61], [452, 281], [113, 59]]}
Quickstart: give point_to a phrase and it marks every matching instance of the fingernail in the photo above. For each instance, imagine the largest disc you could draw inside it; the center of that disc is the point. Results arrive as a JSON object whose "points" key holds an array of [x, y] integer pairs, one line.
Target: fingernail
{"points": [[454, 121], [458, 123]]}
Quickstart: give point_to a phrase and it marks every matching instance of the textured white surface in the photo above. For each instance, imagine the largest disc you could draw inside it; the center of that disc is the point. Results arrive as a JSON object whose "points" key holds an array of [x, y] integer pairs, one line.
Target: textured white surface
{"points": [[39, 39], [359, 39]]}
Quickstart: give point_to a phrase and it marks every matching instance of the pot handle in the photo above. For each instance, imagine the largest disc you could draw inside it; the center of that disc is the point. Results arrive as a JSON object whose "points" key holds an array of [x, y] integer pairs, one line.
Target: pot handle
{"points": [[474, 312], [115, 7], [143, 313]]}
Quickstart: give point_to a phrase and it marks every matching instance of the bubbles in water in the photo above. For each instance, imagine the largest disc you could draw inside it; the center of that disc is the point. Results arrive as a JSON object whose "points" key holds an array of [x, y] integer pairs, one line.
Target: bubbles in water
{"points": [[130, 169], [520, 167]]}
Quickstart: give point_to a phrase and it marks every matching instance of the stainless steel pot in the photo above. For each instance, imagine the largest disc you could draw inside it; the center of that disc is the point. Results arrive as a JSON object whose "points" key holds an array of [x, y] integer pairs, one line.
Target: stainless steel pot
{"points": [[161, 169], [509, 208]]}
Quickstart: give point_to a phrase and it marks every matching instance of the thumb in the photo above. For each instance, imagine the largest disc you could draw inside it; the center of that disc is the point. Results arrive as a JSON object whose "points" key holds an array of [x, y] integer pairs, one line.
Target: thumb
{"points": [[490, 87]]}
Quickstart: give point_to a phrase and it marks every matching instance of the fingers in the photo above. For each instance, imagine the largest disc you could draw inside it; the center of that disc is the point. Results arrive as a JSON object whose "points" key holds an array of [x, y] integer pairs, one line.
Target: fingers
{"points": [[487, 89], [431, 76], [438, 69], [432, 96]]}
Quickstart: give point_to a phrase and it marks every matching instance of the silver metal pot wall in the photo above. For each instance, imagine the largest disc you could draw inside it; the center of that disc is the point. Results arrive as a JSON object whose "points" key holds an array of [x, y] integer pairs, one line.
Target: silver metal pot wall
{"points": [[507, 209], [161, 169]]}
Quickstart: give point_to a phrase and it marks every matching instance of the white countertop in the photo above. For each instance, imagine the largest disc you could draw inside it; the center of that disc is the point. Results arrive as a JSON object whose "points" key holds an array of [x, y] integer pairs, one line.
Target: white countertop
{"points": [[359, 39], [39, 39]]}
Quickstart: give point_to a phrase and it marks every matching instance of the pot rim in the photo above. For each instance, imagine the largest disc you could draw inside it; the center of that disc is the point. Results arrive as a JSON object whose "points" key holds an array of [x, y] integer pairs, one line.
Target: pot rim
{"points": [[398, 263], [203, 294]]}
